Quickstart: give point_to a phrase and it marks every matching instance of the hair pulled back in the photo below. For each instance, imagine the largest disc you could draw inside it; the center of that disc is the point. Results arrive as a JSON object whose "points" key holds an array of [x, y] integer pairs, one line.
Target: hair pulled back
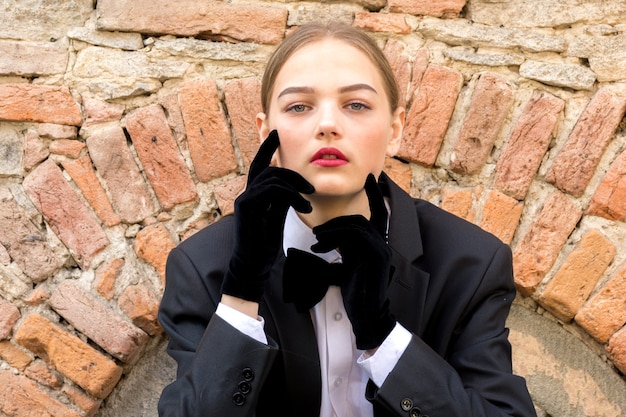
{"points": [[315, 32]]}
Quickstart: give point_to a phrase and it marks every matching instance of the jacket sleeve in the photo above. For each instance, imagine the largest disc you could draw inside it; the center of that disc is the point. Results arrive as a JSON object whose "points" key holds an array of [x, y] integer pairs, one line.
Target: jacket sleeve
{"points": [[220, 369], [475, 378]]}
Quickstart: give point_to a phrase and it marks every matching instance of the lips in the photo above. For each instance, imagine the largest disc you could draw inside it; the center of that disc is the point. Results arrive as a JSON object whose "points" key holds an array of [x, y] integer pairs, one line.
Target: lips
{"points": [[329, 157]]}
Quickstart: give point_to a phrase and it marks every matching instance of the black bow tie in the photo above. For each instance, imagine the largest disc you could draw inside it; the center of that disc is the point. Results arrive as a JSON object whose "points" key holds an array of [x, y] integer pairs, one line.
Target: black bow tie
{"points": [[306, 278]]}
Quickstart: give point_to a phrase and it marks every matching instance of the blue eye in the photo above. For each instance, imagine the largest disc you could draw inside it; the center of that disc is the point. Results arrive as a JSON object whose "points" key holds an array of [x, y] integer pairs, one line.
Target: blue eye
{"points": [[298, 108], [357, 106]]}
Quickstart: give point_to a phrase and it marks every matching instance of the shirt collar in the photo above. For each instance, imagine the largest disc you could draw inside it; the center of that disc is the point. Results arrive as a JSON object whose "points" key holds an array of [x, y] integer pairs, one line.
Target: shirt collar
{"points": [[300, 236]]}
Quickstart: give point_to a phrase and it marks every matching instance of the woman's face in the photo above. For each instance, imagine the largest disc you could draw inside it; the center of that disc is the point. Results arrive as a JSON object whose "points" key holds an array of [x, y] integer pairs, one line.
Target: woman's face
{"points": [[333, 117]]}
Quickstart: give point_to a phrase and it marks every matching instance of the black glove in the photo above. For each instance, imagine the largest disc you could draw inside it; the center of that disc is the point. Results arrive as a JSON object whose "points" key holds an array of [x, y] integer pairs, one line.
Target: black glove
{"points": [[259, 221], [367, 257]]}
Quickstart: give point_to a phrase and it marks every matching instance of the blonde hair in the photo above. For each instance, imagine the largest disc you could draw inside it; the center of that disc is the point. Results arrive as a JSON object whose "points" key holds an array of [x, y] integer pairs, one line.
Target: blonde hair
{"points": [[314, 32]]}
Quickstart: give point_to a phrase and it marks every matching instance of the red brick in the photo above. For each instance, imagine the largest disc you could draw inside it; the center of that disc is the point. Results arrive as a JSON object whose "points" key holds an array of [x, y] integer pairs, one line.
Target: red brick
{"points": [[436, 8], [570, 287], [14, 355], [97, 111], [68, 354], [39, 371], [9, 314], [243, 101], [488, 109], [429, 115], [605, 313], [159, 155], [501, 215], [106, 275], [226, 193], [617, 350], [169, 102], [539, 247], [190, 18], [82, 400], [38, 103], [420, 64], [152, 244], [84, 176], [527, 145], [142, 306], [27, 245], [38, 296], [208, 135], [67, 147], [98, 321], [115, 164], [382, 22], [35, 150], [399, 172], [399, 61], [65, 212], [459, 202], [21, 397], [162, 217], [577, 161], [609, 199]]}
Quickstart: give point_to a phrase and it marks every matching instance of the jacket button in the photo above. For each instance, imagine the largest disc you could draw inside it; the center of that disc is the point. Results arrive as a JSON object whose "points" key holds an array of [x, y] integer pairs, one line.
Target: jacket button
{"points": [[248, 374], [244, 387], [406, 404], [239, 399], [415, 412]]}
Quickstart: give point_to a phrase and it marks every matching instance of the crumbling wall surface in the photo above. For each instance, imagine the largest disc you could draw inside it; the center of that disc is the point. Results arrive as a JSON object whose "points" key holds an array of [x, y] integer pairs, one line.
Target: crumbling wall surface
{"points": [[127, 126]]}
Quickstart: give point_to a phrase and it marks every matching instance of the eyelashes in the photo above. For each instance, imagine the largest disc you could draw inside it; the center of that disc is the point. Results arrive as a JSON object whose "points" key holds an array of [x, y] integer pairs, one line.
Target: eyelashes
{"points": [[296, 108], [356, 106]]}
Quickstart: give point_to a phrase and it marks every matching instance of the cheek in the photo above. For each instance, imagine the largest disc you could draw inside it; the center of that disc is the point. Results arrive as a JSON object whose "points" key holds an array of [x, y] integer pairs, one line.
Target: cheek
{"points": [[287, 154], [376, 152]]}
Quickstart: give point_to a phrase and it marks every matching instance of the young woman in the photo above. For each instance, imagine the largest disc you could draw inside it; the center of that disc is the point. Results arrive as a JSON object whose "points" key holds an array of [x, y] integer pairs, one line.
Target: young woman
{"points": [[330, 291]]}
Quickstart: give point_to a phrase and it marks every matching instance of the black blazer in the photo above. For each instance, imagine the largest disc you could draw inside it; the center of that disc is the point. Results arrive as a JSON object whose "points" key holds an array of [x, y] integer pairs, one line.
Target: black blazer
{"points": [[452, 288]]}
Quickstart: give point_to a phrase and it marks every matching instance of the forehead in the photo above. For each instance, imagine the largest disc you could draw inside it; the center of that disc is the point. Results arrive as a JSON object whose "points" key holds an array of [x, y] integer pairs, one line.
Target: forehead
{"points": [[332, 58]]}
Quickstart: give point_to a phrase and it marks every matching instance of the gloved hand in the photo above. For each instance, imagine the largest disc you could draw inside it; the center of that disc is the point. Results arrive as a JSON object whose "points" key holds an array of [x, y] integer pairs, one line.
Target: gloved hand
{"points": [[260, 213], [367, 257]]}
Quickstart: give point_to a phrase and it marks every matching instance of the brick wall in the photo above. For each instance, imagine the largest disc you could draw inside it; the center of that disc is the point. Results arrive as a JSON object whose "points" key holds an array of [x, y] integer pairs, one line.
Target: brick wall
{"points": [[127, 127]]}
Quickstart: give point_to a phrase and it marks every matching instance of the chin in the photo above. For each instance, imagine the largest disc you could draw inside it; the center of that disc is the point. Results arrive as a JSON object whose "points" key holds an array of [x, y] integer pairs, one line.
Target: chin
{"points": [[335, 191]]}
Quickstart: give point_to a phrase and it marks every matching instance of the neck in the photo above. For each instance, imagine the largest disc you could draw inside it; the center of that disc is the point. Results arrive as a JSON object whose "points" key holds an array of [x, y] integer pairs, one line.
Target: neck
{"points": [[329, 207]]}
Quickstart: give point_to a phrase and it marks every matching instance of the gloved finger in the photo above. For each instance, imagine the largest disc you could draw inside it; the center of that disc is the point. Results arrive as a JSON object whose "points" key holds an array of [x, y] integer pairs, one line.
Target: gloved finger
{"points": [[282, 185], [340, 232], [292, 178], [272, 195], [263, 158], [377, 205], [281, 198], [270, 200]]}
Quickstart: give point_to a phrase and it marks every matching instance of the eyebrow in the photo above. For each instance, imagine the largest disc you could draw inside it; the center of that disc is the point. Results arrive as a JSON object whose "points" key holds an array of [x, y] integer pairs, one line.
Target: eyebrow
{"points": [[309, 90]]}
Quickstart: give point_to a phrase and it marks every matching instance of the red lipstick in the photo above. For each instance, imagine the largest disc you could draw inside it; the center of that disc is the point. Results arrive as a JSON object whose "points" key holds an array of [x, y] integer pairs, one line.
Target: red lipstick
{"points": [[329, 157]]}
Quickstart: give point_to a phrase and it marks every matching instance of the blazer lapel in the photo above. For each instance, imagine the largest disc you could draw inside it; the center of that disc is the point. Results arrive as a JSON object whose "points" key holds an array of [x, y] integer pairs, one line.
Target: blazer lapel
{"points": [[409, 284], [296, 337]]}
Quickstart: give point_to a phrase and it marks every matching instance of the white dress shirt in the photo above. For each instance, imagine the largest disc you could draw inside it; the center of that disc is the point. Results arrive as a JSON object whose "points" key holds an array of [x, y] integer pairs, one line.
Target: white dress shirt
{"points": [[345, 370]]}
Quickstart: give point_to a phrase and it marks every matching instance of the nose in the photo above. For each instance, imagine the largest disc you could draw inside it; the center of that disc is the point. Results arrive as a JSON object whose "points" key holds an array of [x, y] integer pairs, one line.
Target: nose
{"points": [[328, 126]]}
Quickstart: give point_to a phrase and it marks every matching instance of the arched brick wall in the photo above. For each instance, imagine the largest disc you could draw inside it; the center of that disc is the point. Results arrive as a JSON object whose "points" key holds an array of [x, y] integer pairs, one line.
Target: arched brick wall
{"points": [[126, 127]]}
